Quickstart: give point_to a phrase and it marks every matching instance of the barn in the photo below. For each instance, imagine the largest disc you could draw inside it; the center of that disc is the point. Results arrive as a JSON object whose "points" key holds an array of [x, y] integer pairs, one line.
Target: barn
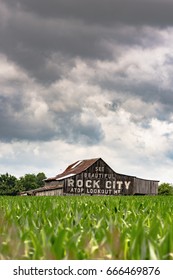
{"points": [[95, 177]]}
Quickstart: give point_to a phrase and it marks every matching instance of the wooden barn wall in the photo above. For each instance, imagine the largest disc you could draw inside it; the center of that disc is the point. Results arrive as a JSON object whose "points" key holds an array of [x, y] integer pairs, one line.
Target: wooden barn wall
{"points": [[99, 179], [50, 192], [57, 184], [145, 187]]}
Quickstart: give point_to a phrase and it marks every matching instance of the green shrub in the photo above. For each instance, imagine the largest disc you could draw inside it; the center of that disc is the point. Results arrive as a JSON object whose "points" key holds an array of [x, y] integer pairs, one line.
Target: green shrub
{"points": [[165, 189]]}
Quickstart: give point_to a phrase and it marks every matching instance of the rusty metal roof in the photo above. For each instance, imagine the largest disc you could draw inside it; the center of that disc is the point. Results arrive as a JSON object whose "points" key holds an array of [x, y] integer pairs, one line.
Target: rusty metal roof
{"points": [[45, 188], [74, 169]]}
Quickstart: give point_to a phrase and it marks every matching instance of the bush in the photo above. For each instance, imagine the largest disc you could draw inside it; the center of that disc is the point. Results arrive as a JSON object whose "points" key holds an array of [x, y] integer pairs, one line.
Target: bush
{"points": [[165, 189]]}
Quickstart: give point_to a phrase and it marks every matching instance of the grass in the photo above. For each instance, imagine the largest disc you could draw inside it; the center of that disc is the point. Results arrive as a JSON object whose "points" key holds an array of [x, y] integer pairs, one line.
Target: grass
{"points": [[86, 228]]}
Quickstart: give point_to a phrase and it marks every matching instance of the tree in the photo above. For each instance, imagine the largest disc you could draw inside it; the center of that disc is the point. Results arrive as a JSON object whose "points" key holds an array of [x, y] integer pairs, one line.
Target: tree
{"points": [[31, 181], [27, 182], [165, 189], [8, 184], [40, 179]]}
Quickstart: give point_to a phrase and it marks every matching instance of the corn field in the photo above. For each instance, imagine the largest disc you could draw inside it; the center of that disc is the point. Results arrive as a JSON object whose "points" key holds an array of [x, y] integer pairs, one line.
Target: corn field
{"points": [[75, 228]]}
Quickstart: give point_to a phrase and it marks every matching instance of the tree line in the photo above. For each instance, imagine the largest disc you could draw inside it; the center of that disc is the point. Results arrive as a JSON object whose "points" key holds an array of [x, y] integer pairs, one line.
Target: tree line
{"points": [[10, 185]]}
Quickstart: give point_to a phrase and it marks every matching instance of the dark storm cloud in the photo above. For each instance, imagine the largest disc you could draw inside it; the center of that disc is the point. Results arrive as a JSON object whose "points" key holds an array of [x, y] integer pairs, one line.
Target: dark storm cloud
{"points": [[150, 12], [44, 38], [30, 40], [33, 30]]}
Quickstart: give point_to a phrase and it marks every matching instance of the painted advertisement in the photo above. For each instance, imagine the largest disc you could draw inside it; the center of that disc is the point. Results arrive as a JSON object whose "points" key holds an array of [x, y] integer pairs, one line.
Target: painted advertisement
{"points": [[98, 183]]}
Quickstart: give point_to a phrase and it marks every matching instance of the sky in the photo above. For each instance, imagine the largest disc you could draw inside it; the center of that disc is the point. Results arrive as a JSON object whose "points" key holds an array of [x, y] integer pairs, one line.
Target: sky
{"points": [[85, 79]]}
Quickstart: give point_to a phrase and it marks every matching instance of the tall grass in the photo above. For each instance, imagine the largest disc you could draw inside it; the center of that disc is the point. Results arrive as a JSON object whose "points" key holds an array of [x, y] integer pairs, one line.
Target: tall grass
{"points": [[86, 228]]}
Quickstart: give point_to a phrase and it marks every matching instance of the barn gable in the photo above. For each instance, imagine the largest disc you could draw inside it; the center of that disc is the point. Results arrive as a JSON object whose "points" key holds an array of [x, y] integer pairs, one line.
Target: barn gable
{"points": [[95, 177]]}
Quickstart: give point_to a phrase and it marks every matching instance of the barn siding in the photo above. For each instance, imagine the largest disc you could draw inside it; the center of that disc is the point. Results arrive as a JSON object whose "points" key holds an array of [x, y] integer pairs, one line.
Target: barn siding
{"points": [[100, 179], [54, 184], [97, 179], [50, 192], [142, 186]]}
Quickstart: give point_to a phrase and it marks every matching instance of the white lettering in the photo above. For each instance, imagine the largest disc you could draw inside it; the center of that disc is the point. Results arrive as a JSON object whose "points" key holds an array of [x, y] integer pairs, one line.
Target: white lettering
{"points": [[99, 169], [119, 183], [96, 184], [70, 183], [88, 184], [114, 184], [116, 192], [108, 184], [127, 184], [80, 183]]}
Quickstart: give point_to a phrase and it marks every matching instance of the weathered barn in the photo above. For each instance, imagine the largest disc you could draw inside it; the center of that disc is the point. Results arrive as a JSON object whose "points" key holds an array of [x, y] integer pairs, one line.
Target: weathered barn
{"points": [[95, 177]]}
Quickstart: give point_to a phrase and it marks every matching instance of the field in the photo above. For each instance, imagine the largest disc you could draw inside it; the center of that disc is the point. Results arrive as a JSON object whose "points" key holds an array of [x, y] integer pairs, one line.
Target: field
{"points": [[86, 228]]}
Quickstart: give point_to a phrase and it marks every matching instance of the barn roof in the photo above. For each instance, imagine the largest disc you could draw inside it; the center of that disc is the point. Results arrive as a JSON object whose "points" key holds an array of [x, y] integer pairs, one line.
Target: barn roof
{"points": [[46, 188], [79, 167], [74, 169]]}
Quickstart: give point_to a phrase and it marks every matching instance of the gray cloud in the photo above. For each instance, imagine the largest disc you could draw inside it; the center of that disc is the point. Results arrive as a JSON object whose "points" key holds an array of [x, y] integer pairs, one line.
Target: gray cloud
{"points": [[19, 123], [153, 12], [86, 74], [31, 112], [32, 31], [30, 41]]}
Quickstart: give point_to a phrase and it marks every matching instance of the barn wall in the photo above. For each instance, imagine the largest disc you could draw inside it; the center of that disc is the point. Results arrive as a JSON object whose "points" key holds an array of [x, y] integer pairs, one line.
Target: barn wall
{"points": [[50, 192], [100, 179], [57, 184], [142, 186]]}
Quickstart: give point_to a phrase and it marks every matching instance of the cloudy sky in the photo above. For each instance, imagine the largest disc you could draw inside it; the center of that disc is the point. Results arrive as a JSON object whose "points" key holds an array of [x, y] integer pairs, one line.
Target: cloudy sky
{"points": [[83, 79]]}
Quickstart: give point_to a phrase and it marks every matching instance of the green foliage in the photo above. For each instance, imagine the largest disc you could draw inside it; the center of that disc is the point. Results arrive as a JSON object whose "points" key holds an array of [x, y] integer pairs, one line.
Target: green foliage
{"points": [[165, 189], [84, 227], [10, 185], [7, 184], [39, 179], [28, 182]]}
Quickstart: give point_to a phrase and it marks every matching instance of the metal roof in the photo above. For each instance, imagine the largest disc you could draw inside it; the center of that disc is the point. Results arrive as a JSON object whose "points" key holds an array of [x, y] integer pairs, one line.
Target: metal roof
{"points": [[74, 169], [79, 167], [45, 188]]}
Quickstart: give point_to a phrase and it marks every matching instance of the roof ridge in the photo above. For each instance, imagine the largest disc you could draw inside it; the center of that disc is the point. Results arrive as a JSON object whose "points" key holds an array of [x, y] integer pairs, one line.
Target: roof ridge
{"points": [[75, 168]]}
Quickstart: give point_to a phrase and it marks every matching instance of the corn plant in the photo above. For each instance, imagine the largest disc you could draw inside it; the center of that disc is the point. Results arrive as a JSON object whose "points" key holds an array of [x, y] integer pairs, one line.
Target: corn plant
{"points": [[100, 227]]}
